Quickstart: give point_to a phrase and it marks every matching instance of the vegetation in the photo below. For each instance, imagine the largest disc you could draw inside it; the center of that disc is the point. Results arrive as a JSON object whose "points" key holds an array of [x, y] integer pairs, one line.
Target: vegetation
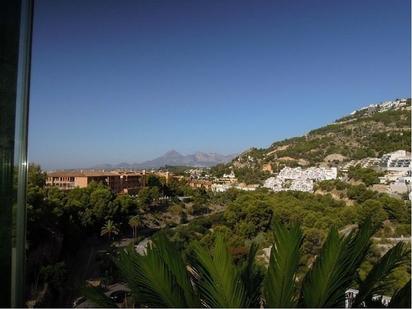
{"points": [[161, 278], [135, 222], [246, 174], [367, 175], [396, 210], [251, 175], [247, 218], [62, 223], [109, 229]]}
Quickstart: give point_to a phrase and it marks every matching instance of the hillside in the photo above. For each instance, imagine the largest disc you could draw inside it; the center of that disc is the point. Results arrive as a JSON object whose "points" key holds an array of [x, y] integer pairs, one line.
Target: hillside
{"points": [[368, 132]]}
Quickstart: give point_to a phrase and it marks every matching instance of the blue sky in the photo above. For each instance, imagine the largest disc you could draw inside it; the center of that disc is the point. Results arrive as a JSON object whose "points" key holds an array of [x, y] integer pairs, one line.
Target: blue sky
{"points": [[116, 81]]}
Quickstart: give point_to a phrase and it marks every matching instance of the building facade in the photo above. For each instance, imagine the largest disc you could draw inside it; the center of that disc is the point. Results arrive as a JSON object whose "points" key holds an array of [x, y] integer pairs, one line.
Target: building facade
{"points": [[396, 161], [118, 182]]}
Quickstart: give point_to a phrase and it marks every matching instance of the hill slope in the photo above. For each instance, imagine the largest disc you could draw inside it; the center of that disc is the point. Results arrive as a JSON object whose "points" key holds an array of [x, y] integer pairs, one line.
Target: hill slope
{"points": [[369, 132]]}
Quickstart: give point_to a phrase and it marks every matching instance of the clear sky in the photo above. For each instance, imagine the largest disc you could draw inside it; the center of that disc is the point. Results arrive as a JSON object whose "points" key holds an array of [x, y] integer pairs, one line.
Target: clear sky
{"points": [[126, 81]]}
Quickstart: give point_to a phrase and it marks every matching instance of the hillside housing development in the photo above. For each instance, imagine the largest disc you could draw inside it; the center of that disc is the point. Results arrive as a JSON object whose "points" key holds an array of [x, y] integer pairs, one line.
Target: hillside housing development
{"points": [[384, 106], [298, 179]]}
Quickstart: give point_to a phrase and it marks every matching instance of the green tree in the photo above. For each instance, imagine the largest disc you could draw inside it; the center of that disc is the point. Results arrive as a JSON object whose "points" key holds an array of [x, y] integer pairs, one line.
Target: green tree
{"points": [[135, 222], [154, 181], [109, 229], [367, 175], [154, 194], [144, 196], [35, 176], [101, 201], [372, 210], [55, 274], [360, 193], [313, 241]]}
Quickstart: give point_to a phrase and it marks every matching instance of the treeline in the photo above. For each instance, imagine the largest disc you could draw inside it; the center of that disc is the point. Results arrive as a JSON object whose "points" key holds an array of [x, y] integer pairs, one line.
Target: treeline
{"points": [[60, 222], [248, 218], [371, 204]]}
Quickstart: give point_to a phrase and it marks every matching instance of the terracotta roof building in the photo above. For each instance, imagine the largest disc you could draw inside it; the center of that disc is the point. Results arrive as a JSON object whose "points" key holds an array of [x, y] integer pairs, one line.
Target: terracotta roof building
{"points": [[119, 182]]}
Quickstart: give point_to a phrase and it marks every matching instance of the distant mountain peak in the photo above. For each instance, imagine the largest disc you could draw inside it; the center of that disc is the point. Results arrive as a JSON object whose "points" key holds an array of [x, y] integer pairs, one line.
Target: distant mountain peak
{"points": [[174, 158], [173, 153]]}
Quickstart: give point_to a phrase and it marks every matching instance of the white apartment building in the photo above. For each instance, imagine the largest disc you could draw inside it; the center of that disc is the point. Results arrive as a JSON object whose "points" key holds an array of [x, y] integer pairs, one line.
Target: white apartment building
{"points": [[298, 179], [399, 160], [224, 187], [217, 187]]}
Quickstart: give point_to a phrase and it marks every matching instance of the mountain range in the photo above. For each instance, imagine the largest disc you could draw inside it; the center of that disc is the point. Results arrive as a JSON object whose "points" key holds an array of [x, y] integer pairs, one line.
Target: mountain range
{"points": [[368, 132], [174, 158]]}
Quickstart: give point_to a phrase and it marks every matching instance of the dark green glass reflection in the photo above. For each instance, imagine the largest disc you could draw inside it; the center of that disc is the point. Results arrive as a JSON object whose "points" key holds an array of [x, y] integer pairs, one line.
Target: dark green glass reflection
{"points": [[15, 45]]}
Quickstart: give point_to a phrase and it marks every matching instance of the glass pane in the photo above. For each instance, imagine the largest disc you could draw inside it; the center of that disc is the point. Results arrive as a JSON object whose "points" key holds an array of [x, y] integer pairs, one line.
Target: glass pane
{"points": [[15, 44]]}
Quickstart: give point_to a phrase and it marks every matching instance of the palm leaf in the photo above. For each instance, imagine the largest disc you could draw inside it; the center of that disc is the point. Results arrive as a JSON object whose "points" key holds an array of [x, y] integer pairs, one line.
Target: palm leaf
{"points": [[402, 298], [335, 268], [173, 259], [251, 277], [279, 284], [159, 278], [377, 279], [217, 278], [98, 298]]}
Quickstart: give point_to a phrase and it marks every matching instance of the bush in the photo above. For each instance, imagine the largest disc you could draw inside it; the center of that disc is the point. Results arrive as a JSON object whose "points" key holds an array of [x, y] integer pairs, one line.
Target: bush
{"points": [[367, 175], [360, 193], [199, 209]]}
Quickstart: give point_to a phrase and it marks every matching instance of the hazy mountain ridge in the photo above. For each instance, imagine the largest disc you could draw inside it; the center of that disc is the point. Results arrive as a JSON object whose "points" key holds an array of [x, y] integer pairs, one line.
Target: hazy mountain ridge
{"points": [[174, 158], [367, 132]]}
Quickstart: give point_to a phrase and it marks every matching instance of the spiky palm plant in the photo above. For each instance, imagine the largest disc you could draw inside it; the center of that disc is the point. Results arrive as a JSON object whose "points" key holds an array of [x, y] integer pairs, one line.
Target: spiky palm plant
{"points": [[335, 269], [402, 298], [135, 222], [377, 280], [217, 278], [109, 228], [160, 278], [252, 277], [280, 289]]}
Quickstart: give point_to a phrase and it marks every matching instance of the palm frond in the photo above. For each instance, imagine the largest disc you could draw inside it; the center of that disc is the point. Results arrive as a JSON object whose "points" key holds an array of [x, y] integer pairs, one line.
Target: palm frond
{"points": [[173, 259], [279, 284], [402, 298], [335, 268], [377, 280], [217, 278], [251, 277], [159, 278], [98, 298]]}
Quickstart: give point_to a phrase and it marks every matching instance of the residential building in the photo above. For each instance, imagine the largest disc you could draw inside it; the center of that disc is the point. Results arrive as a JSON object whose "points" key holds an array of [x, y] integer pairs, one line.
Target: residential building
{"points": [[166, 175], [399, 160], [222, 187], [200, 184], [230, 177], [298, 179], [119, 182], [217, 187]]}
